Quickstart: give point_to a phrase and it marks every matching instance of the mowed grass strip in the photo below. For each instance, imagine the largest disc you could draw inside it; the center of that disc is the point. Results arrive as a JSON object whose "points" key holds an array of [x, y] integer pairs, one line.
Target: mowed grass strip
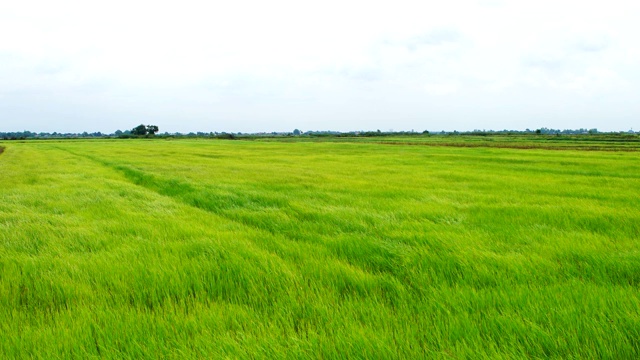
{"points": [[180, 249]]}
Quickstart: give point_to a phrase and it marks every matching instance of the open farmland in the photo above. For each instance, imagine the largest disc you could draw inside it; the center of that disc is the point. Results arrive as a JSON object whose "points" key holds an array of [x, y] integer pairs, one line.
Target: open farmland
{"points": [[306, 249]]}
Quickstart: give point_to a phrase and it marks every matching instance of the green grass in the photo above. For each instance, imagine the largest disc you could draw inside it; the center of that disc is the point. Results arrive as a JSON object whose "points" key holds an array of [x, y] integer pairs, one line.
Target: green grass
{"points": [[591, 142], [307, 249]]}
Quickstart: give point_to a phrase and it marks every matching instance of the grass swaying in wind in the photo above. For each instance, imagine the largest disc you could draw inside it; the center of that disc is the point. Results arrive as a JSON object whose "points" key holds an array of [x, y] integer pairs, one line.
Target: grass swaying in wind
{"points": [[207, 249]]}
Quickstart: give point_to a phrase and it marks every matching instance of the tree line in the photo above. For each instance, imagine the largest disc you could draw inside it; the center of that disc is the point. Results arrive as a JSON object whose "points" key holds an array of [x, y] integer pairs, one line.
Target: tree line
{"points": [[149, 131]]}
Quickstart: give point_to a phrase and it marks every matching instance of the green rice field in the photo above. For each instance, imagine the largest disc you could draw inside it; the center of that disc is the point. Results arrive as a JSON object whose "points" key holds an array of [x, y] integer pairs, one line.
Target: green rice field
{"points": [[317, 249]]}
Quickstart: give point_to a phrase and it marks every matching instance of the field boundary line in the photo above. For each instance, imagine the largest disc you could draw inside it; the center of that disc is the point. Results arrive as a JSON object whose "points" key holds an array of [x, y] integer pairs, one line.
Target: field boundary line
{"points": [[633, 146], [510, 146]]}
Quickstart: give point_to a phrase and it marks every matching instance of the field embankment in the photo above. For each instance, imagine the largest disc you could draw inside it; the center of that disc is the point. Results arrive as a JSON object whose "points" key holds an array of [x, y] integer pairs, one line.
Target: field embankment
{"points": [[210, 249], [601, 142]]}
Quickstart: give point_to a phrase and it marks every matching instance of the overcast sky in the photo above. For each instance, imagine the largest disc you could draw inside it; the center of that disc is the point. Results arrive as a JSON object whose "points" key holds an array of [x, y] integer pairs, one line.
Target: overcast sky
{"points": [[250, 66]]}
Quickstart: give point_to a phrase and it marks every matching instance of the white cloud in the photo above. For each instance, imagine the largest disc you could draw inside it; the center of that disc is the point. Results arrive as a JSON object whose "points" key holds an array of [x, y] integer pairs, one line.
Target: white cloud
{"points": [[441, 88], [252, 66]]}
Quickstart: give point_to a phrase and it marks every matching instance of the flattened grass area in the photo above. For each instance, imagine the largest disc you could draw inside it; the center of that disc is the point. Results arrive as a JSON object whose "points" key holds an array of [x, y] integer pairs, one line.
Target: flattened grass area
{"points": [[240, 249]]}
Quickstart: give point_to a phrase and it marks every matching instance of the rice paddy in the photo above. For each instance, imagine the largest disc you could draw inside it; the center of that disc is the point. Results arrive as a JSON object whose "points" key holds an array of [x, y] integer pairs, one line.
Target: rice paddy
{"points": [[319, 249]]}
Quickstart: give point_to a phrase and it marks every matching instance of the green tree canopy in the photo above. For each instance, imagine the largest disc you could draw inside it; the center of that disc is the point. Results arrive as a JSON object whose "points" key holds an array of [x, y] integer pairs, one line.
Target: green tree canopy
{"points": [[140, 130]]}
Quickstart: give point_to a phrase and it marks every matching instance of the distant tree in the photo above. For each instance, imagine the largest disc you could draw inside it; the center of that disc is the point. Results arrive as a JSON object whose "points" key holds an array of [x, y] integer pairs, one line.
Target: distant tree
{"points": [[226, 136], [152, 129], [139, 130], [118, 132], [538, 132], [297, 132]]}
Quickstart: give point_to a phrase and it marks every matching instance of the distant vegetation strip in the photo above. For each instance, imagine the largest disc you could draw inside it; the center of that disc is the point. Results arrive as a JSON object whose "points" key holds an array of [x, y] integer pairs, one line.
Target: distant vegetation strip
{"points": [[151, 131], [544, 146], [582, 142], [600, 142]]}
